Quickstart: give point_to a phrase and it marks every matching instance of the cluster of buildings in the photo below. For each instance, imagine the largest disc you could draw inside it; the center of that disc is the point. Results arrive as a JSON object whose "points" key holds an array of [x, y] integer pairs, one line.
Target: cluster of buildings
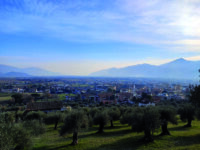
{"points": [[100, 90]]}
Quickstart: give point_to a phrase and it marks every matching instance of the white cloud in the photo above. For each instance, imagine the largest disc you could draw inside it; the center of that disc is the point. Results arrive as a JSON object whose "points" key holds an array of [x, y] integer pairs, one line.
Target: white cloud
{"points": [[193, 58], [153, 22]]}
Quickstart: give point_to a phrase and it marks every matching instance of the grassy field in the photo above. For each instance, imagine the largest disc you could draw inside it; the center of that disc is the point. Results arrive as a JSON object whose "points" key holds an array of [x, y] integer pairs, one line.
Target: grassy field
{"points": [[62, 96], [5, 98], [121, 138]]}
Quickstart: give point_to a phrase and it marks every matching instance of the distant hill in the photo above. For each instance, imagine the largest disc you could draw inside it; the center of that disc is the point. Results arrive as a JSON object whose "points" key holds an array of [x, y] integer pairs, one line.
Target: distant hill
{"points": [[14, 74], [8, 71], [177, 69]]}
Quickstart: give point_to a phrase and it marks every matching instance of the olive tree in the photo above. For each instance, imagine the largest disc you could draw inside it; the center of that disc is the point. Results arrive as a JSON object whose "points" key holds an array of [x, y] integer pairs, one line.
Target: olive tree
{"points": [[145, 119], [101, 118], [54, 118], [93, 111], [126, 116], [114, 114], [167, 114], [194, 96], [74, 122], [187, 113]]}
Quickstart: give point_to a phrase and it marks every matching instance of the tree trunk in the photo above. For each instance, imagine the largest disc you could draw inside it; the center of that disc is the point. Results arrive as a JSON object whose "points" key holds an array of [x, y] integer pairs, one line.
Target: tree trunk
{"points": [[189, 124], [75, 138], [148, 137], [111, 123], [165, 131], [16, 118], [56, 124], [100, 128]]}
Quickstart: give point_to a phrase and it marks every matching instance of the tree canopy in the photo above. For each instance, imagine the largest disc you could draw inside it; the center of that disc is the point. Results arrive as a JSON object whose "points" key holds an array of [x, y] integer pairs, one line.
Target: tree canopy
{"points": [[73, 123], [187, 113], [101, 118], [145, 119], [167, 114]]}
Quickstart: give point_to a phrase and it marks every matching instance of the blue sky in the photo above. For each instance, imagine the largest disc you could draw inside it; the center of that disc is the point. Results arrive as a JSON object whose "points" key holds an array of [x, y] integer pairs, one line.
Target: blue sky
{"points": [[77, 37]]}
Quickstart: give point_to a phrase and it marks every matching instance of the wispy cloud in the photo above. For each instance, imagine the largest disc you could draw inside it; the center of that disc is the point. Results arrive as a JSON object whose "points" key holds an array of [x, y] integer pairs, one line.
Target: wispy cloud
{"points": [[193, 58], [153, 22]]}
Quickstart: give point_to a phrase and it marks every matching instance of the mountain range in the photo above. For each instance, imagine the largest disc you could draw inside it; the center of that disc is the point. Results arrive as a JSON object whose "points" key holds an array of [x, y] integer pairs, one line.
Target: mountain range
{"points": [[177, 69], [10, 71]]}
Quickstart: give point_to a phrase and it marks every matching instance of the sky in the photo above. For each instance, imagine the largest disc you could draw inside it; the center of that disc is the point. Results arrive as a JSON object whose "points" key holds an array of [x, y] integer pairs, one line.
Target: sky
{"points": [[77, 37]]}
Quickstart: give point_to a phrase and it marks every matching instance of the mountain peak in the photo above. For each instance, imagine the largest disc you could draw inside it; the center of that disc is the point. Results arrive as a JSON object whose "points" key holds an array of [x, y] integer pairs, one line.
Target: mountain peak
{"points": [[180, 60]]}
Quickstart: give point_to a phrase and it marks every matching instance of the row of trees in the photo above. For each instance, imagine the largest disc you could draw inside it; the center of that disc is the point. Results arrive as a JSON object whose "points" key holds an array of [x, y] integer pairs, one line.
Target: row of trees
{"points": [[141, 119]]}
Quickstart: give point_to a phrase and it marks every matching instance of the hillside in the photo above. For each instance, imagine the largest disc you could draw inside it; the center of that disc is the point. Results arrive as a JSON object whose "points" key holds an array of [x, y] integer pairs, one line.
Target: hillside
{"points": [[10, 71], [121, 138]]}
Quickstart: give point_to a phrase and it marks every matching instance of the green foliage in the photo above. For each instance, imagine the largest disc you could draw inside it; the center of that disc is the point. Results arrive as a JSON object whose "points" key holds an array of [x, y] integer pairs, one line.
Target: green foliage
{"points": [[6, 140], [13, 135], [86, 110], [93, 111], [74, 121], [187, 113], [145, 119], [168, 114], [18, 98], [90, 121], [114, 113], [53, 117], [21, 137], [198, 114], [34, 127], [35, 116], [126, 116], [101, 118], [9, 117], [122, 109], [19, 116], [194, 96]]}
